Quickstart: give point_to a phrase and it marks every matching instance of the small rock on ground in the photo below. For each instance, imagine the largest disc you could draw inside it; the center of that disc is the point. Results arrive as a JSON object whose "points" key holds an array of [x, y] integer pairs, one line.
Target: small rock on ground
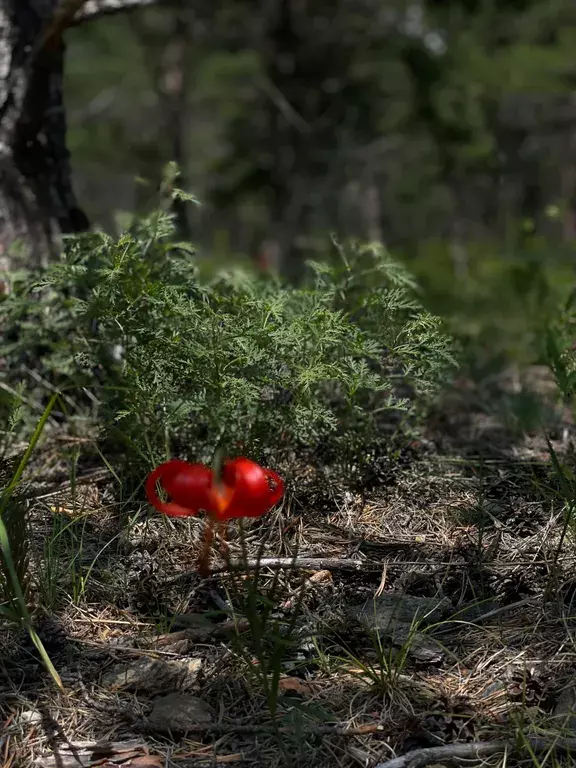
{"points": [[387, 611], [395, 616], [177, 712], [148, 674]]}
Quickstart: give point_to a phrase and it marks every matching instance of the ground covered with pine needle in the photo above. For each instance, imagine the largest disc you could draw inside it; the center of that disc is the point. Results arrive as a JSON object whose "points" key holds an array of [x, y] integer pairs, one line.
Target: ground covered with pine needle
{"points": [[430, 610]]}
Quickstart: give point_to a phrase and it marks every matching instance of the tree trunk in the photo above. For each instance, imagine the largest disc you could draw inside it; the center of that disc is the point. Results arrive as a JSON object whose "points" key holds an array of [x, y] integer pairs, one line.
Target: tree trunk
{"points": [[36, 197], [169, 75], [37, 202]]}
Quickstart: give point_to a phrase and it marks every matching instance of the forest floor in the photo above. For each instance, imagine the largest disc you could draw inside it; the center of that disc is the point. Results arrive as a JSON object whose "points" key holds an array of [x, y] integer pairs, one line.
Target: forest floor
{"points": [[432, 610]]}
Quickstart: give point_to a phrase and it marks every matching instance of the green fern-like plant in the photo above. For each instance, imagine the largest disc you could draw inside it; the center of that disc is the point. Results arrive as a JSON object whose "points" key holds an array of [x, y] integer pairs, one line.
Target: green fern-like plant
{"points": [[178, 364]]}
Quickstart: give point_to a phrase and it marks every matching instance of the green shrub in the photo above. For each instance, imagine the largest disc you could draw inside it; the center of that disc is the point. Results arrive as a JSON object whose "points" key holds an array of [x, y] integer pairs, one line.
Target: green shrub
{"points": [[500, 308], [169, 363]]}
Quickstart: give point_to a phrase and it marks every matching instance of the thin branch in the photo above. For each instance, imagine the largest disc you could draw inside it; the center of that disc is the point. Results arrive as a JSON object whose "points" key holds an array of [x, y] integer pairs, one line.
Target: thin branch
{"points": [[474, 750], [93, 9], [317, 730], [307, 563], [348, 564], [279, 563]]}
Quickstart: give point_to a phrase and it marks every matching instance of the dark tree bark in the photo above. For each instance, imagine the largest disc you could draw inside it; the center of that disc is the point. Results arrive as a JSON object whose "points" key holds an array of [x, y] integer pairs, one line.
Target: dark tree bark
{"points": [[168, 75], [37, 201]]}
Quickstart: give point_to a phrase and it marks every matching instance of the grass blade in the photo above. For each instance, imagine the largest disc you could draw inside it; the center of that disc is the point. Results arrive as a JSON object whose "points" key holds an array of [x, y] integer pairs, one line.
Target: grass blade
{"points": [[24, 613]]}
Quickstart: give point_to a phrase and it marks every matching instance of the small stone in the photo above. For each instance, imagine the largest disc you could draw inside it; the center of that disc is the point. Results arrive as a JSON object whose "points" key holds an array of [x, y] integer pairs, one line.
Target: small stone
{"points": [[196, 623], [388, 611], [152, 674], [397, 617], [188, 671], [321, 577], [177, 645], [423, 648], [177, 712], [30, 717]]}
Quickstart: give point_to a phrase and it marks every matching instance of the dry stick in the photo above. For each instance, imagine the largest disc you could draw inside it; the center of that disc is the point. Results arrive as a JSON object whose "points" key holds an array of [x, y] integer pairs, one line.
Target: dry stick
{"points": [[474, 750], [317, 730], [308, 563], [315, 564]]}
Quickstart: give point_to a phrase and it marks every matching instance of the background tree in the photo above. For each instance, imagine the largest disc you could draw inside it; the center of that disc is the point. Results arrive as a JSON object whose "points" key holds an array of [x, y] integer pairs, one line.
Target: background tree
{"points": [[425, 124], [37, 201]]}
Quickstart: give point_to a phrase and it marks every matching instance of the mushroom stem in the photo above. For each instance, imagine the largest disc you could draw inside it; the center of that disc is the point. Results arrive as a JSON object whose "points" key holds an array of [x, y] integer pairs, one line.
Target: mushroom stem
{"points": [[204, 559]]}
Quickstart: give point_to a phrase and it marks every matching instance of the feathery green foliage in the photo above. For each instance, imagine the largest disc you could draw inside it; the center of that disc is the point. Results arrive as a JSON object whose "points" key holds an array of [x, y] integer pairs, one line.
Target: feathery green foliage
{"points": [[173, 360]]}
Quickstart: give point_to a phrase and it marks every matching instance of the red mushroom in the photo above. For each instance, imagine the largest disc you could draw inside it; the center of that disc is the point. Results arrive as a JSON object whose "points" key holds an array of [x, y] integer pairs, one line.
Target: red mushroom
{"points": [[245, 490]]}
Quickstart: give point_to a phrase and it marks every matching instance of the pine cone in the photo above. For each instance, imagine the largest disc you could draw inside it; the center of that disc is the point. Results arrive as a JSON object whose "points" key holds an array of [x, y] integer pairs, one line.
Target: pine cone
{"points": [[454, 720], [526, 686]]}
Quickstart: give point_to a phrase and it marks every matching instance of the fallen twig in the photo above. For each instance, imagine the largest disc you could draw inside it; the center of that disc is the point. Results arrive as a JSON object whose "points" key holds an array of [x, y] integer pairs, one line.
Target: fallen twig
{"points": [[277, 563], [114, 648], [224, 728], [204, 757], [474, 750], [308, 563], [192, 633]]}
